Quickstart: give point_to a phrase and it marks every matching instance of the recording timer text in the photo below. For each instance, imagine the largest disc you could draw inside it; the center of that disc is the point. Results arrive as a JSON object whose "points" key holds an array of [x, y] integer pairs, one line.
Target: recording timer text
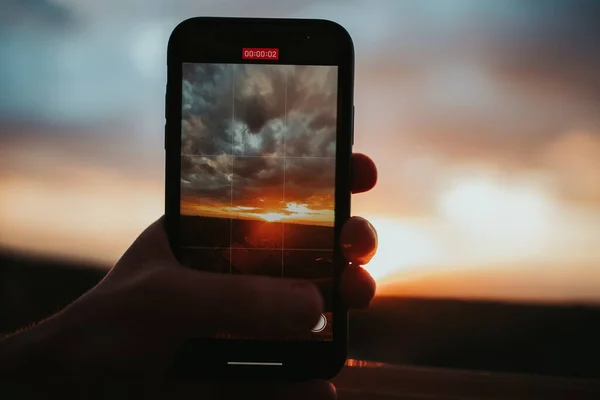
{"points": [[260, 54]]}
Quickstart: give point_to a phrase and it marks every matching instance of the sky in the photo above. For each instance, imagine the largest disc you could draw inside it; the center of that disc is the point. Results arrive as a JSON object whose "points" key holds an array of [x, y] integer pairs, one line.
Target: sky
{"points": [[483, 117], [258, 142]]}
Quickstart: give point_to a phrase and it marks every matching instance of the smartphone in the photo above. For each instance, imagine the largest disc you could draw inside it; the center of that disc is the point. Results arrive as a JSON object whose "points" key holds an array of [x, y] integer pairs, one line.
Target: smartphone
{"points": [[258, 140]]}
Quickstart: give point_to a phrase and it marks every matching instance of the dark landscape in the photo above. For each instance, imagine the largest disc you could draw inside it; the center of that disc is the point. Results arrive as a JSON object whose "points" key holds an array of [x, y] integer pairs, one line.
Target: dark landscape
{"points": [[258, 247], [219, 232], [468, 335]]}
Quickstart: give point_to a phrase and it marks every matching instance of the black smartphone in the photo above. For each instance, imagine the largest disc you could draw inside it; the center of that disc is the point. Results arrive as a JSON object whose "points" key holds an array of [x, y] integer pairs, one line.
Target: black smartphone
{"points": [[258, 139]]}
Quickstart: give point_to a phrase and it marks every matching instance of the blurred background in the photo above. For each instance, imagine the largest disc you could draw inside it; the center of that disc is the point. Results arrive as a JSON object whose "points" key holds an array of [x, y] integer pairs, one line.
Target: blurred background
{"points": [[483, 117]]}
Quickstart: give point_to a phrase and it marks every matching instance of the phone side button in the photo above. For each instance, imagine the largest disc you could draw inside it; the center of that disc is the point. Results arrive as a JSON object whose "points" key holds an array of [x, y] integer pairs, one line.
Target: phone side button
{"points": [[352, 132], [165, 136]]}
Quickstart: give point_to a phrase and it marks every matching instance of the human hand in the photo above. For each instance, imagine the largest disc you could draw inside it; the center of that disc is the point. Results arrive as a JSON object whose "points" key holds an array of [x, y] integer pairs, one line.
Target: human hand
{"points": [[129, 327]]}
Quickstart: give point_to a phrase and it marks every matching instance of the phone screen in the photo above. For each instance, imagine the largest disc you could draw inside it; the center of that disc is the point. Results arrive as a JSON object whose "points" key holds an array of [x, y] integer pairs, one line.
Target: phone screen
{"points": [[258, 147]]}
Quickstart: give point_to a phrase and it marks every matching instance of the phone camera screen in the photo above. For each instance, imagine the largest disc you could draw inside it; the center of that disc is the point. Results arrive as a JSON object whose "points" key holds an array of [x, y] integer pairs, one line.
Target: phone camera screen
{"points": [[258, 146]]}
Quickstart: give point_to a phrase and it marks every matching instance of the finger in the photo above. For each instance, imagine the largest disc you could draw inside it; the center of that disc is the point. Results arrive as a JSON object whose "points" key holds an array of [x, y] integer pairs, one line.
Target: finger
{"points": [[357, 287], [325, 286], [203, 303], [319, 390], [152, 245], [364, 173], [358, 240]]}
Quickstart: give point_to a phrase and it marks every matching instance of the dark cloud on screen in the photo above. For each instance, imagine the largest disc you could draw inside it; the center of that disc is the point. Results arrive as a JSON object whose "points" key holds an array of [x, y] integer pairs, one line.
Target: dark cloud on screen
{"points": [[259, 114], [207, 109], [258, 182], [207, 179], [311, 180], [245, 109]]}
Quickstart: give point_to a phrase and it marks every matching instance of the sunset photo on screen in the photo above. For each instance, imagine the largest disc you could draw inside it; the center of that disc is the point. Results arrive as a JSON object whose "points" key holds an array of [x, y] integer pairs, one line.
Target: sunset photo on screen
{"points": [[258, 168]]}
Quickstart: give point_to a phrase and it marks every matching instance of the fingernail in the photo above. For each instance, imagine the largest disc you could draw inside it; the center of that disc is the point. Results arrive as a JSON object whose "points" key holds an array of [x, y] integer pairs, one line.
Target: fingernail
{"points": [[359, 240]]}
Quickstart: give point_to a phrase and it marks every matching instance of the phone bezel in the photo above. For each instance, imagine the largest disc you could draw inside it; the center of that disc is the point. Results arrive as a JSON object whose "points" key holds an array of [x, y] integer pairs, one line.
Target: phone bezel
{"points": [[300, 42]]}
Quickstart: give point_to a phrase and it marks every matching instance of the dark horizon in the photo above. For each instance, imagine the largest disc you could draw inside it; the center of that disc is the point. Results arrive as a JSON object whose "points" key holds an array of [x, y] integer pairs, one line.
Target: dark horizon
{"points": [[556, 339], [325, 224]]}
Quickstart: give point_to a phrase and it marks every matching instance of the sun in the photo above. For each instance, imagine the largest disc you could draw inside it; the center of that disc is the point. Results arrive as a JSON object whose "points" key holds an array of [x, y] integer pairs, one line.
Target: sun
{"points": [[272, 217], [403, 247]]}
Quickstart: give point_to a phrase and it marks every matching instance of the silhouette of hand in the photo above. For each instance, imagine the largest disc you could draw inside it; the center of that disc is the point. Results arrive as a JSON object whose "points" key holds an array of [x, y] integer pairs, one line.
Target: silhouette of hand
{"points": [[129, 327]]}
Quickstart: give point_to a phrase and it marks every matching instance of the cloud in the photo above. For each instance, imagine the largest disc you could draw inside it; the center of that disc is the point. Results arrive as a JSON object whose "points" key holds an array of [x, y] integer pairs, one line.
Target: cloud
{"points": [[36, 14], [207, 109], [556, 55], [181, 9], [492, 78], [573, 160], [311, 181], [246, 109], [258, 182], [489, 87], [461, 80], [206, 179]]}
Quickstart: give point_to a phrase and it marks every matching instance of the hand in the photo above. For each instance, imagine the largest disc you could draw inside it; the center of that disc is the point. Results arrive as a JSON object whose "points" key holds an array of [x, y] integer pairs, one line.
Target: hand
{"points": [[129, 326]]}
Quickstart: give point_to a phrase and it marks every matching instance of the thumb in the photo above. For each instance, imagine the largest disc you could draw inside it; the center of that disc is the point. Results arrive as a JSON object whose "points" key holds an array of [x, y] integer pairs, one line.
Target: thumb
{"points": [[152, 245]]}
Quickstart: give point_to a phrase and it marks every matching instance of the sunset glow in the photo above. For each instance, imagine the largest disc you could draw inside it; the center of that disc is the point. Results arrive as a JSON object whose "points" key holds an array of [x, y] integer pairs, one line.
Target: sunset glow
{"points": [[487, 144], [418, 250], [292, 212]]}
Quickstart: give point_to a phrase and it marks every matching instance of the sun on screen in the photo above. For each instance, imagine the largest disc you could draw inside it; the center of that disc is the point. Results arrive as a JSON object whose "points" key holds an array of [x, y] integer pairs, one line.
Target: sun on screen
{"points": [[272, 217]]}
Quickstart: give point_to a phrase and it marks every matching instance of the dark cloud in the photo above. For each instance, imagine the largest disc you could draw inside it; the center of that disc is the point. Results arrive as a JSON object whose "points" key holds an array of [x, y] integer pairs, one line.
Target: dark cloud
{"points": [[258, 182], [207, 109], [268, 182], [310, 181], [325, 120], [557, 54], [521, 85], [310, 142], [259, 95], [254, 171], [248, 109], [255, 114], [207, 179]]}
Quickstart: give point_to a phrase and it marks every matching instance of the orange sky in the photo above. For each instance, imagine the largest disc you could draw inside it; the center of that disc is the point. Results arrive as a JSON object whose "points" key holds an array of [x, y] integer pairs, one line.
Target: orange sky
{"points": [[291, 212], [493, 234]]}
